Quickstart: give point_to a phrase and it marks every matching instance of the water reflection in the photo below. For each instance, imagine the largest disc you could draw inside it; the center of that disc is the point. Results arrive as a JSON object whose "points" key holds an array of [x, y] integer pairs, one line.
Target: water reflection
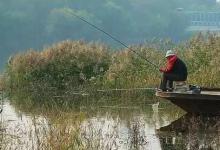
{"points": [[109, 124], [116, 133], [191, 132]]}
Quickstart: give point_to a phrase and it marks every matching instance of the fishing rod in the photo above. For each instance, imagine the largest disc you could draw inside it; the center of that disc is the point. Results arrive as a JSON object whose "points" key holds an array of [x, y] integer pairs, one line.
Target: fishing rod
{"points": [[114, 38]]}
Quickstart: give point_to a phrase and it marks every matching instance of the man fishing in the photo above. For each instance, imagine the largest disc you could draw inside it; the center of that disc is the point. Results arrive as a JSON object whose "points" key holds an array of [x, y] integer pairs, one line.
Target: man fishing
{"points": [[175, 70]]}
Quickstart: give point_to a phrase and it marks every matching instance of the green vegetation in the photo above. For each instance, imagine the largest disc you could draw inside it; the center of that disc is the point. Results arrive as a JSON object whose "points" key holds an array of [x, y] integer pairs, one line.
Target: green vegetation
{"points": [[202, 56], [76, 66], [59, 86], [34, 24], [66, 66]]}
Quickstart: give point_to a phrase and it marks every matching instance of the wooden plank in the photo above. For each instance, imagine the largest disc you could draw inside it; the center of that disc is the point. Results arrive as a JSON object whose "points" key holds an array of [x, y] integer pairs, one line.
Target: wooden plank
{"points": [[210, 93]]}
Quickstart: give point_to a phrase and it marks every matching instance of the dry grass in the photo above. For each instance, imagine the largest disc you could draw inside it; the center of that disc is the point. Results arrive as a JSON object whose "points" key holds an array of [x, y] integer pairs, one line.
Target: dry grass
{"points": [[76, 65], [202, 56]]}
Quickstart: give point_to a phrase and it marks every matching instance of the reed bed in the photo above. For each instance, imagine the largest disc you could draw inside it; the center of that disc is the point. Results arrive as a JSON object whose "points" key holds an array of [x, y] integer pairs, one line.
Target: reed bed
{"points": [[70, 73], [76, 66]]}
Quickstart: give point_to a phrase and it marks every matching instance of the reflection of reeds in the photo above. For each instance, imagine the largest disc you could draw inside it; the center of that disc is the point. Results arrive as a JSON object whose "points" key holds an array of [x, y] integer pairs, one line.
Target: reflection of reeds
{"points": [[39, 133], [63, 127], [191, 132]]}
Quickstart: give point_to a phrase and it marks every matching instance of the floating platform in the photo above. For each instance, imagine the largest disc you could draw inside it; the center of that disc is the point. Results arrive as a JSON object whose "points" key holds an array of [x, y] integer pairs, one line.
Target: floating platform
{"points": [[206, 102]]}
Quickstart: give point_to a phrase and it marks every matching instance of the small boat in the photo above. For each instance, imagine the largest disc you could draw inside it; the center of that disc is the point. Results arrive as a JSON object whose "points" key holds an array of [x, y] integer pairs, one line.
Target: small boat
{"points": [[207, 101]]}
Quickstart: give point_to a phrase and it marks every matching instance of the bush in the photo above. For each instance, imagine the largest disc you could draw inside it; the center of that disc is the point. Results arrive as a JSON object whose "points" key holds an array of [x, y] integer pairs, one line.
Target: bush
{"points": [[128, 70], [63, 66], [202, 55], [75, 65]]}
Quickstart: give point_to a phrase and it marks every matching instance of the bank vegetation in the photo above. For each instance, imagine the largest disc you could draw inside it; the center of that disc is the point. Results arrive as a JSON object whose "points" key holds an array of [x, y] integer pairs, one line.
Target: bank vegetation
{"points": [[70, 66]]}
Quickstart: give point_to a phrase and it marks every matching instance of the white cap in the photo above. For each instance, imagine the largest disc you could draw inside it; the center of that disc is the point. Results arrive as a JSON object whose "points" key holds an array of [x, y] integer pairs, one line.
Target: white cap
{"points": [[170, 53]]}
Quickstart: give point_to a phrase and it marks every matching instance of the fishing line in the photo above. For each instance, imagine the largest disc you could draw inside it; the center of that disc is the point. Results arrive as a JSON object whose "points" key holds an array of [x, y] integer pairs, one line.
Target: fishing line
{"points": [[115, 39]]}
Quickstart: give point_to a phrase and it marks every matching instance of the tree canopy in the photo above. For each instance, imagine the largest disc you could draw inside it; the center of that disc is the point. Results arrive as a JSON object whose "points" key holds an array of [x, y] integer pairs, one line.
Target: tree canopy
{"points": [[36, 23]]}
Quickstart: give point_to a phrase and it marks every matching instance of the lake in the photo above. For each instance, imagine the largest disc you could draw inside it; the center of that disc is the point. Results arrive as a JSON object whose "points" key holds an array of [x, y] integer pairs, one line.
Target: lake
{"points": [[117, 123]]}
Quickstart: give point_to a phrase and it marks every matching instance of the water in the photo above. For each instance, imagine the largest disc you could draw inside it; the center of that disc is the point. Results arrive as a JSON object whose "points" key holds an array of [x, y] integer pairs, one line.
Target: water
{"points": [[110, 124]]}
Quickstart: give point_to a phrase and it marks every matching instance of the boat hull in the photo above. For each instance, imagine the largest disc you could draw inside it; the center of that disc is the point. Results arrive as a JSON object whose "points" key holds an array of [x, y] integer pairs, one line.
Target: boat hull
{"points": [[208, 103]]}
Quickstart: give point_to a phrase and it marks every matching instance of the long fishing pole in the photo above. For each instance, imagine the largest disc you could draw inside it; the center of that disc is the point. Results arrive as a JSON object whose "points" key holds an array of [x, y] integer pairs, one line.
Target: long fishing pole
{"points": [[115, 39]]}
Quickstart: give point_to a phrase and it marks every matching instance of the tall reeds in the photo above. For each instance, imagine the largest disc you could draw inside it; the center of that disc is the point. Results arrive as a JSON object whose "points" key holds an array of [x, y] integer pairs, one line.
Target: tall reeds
{"points": [[202, 55], [78, 66], [63, 66]]}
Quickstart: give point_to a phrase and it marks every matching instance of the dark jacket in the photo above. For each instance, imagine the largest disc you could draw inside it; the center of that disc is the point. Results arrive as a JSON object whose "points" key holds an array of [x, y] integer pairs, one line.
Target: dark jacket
{"points": [[180, 69], [175, 66]]}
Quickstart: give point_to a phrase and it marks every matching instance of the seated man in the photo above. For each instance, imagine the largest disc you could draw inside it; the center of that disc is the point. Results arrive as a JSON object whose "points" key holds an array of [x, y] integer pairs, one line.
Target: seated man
{"points": [[175, 70]]}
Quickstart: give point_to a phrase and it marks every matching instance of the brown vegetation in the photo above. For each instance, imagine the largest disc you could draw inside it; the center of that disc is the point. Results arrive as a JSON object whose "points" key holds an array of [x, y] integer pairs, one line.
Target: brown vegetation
{"points": [[76, 65]]}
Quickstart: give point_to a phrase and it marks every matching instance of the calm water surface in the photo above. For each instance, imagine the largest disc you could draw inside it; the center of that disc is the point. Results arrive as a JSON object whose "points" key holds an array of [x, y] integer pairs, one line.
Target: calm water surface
{"points": [[112, 124]]}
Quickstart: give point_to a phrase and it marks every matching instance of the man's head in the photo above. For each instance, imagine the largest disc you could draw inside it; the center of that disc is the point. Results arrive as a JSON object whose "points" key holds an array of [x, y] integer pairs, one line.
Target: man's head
{"points": [[170, 53]]}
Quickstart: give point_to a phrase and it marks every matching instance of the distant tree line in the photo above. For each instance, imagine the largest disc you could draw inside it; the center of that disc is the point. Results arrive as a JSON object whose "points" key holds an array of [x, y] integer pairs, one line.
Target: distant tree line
{"points": [[36, 23]]}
